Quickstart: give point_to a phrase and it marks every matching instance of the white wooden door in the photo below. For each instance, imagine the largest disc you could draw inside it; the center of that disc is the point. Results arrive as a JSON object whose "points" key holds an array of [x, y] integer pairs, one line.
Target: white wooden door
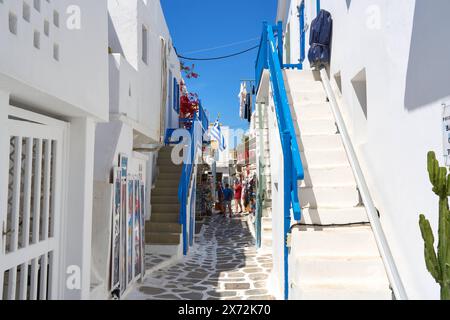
{"points": [[29, 252]]}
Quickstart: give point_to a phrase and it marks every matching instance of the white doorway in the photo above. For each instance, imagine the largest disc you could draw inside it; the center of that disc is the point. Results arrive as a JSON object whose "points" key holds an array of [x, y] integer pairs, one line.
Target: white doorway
{"points": [[31, 206]]}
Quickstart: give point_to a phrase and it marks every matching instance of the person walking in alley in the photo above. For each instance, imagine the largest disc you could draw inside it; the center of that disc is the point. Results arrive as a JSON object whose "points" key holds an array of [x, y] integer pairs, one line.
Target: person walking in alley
{"points": [[228, 197], [220, 203], [238, 196]]}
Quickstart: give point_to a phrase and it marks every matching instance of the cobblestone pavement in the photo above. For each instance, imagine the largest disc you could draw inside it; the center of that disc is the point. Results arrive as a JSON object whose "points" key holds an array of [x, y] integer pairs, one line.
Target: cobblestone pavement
{"points": [[224, 265], [153, 260]]}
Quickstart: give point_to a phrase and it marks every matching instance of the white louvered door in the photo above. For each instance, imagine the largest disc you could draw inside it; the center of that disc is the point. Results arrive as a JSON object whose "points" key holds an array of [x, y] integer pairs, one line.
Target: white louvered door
{"points": [[29, 253]]}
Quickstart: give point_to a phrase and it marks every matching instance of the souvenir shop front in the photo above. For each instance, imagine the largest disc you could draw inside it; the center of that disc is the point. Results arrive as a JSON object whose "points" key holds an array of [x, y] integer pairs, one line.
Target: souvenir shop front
{"points": [[205, 197], [246, 173], [120, 209], [128, 223]]}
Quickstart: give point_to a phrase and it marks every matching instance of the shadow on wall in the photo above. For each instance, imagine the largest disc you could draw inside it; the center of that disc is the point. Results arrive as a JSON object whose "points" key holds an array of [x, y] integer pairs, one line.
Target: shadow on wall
{"points": [[428, 77], [349, 2], [113, 38]]}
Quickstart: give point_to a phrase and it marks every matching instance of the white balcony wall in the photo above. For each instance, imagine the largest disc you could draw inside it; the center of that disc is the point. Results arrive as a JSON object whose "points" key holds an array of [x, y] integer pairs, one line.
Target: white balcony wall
{"points": [[54, 59], [128, 20], [124, 89]]}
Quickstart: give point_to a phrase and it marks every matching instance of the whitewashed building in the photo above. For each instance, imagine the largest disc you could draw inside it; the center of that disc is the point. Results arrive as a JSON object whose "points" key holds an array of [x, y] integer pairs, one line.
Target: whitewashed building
{"points": [[82, 83], [54, 89], [389, 80], [144, 77]]}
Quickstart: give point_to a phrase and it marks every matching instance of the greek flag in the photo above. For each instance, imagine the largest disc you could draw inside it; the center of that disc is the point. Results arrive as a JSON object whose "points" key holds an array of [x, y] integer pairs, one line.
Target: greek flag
{"points": [[216, 134]]}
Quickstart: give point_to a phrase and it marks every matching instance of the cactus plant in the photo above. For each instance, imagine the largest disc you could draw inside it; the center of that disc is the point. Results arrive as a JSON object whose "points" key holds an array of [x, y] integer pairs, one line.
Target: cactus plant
{"points": [[438, 264]]}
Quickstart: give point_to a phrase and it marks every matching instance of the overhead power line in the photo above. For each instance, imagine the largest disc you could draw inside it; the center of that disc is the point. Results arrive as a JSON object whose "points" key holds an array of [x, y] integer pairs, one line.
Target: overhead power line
{"points": [[223, 46], [218, 58]]}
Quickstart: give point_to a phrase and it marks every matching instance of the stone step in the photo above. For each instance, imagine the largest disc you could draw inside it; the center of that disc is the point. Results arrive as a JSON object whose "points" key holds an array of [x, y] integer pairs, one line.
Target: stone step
{"points": [[165, 217], [266, 220], [162, 158], [166, 208], [303, 85], [172, 250], [165, 150], [320, 142], [162, 238], [266, 242], [316, 127], [311, 271], [323, 216], [324, 158], [173, 190], [163, 227], [301, 98], [334, 242], [340, 292], [312, 112], [329, 177], [167, 184], [302, 75], [164, 199], [169, 175], [329, 197], [168, 166]]}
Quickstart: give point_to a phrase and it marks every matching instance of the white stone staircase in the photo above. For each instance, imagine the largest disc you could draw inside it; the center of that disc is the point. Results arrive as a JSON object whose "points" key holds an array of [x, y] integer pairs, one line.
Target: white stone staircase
{"points": [[329, 262]]}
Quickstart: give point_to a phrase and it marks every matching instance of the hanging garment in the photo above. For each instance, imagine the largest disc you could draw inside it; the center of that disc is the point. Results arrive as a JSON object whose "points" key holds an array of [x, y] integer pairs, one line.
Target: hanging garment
{"points": [[242, 99], [248, 107], [245, 108], [241, 102], [320, 40]]}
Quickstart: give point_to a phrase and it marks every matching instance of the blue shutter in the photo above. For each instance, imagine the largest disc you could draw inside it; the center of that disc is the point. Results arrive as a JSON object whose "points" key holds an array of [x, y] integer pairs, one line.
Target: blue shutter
{"points": [[177, 97], [174, 105]]}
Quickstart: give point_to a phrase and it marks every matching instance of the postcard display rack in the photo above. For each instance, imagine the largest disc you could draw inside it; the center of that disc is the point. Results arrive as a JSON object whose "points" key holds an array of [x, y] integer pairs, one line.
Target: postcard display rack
{"points": [[128, 227]]}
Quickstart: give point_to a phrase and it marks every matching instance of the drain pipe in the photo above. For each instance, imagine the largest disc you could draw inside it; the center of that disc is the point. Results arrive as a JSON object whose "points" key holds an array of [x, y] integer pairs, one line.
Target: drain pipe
{"points": [[388, 260]]}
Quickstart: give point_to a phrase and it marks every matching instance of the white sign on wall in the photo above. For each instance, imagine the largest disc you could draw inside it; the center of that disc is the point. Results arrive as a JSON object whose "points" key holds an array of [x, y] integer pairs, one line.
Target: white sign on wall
{"points": [[446, 132]]}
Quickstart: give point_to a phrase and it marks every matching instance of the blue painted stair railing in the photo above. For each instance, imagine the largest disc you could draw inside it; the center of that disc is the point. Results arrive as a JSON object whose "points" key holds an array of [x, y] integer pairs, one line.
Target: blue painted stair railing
{"points": [[197, 133], [270, 58]]}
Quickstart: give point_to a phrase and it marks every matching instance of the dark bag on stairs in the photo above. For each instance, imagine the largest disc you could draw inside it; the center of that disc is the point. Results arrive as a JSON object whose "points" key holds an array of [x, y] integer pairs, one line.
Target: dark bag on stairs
{"points": [[320, 40]]}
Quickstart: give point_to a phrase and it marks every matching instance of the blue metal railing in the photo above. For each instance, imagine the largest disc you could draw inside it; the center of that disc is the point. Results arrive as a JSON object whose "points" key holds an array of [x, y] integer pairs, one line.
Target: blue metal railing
{"points": [[185, 181], [271, 51], [187, 172], [301, 12], [261, 61]]}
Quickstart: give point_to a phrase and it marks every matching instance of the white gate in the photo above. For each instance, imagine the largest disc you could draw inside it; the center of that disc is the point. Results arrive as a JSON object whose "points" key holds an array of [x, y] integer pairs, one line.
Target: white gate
{"points": [[29, 251]]}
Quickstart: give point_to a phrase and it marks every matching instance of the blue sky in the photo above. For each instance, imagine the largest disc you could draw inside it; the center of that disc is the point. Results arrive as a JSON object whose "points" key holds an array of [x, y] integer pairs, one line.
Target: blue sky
{"points": [[201, 24]]}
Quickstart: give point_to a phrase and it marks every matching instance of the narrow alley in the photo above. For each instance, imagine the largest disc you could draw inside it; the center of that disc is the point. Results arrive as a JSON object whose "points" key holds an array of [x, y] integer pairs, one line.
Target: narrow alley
{"points": [[129, 128], [225, 265]]}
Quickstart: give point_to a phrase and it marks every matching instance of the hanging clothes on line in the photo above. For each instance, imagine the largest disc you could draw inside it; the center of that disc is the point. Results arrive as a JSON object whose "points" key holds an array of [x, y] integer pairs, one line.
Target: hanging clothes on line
{"points": [[248, 107], [242, 100], [246, 94]]}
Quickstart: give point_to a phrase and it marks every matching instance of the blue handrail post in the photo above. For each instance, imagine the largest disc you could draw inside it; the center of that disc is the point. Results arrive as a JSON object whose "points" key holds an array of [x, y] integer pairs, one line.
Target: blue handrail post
{"points": [[318, 6], [264, 46], [287, 207], [270, 56], [200, 119], [302, 34], [261, 62], [280, 42]]}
